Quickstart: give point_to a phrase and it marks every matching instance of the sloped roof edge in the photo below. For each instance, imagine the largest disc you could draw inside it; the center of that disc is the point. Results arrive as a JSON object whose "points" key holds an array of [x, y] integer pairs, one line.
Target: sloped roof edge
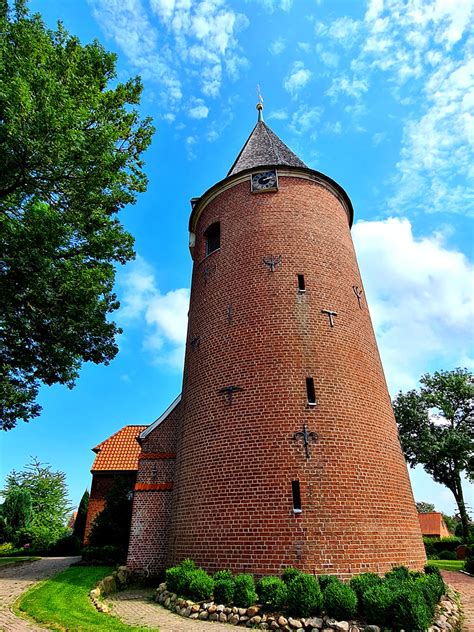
{"points": [[160, 419]]}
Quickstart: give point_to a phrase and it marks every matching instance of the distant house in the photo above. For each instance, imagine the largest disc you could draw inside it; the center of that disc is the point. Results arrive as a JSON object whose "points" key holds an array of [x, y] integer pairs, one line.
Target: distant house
{"points": [[117, 455], [433, 525]]}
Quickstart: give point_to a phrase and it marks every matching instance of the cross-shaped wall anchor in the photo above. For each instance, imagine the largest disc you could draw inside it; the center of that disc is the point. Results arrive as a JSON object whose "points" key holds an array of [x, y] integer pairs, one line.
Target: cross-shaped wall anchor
{"points": [[272, 261], [195, 342], [230, 314], [331, 315], [229, 391], [307, 437], [358, 293], [207, 271]]}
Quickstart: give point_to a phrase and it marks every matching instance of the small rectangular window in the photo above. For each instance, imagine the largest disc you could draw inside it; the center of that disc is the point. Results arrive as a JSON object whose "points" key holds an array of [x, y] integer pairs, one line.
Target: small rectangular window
{"points": [[301, 285], [213, 238], [295, 488], [310, 391]]}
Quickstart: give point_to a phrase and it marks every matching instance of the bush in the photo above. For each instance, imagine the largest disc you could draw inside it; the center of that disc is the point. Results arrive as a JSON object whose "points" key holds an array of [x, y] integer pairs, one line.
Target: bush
{"points": [[409, 610], [69, 545], [399, 573], [110, 554], [289, 574], [200, 585], [469, 564], [244, 591], [431, 569], [433, 589], [176, 577], [304, 596], [376, 604], [448, 555], [339, 601], [224, 590], [434, 546], [360, 584], [224, 574], [6, 548], [272, 592], [325, 580]]}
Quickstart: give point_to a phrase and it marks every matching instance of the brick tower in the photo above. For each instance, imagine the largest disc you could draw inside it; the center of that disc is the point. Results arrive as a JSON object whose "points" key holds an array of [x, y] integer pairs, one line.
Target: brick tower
{"points": [[286, 446]]}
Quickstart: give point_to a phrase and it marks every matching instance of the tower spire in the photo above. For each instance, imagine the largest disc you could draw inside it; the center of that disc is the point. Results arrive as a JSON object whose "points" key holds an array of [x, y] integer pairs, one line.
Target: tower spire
{"points": [[259, 104]]}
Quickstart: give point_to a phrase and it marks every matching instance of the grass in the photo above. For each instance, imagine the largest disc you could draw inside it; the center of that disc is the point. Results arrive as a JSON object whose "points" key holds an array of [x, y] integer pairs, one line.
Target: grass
{"points": [[448, 565], [7, 561], [63, 603]]}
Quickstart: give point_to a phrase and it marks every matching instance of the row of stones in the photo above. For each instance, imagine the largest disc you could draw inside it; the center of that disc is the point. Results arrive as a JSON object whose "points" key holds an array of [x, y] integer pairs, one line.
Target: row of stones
{"points": [[448, 618]]}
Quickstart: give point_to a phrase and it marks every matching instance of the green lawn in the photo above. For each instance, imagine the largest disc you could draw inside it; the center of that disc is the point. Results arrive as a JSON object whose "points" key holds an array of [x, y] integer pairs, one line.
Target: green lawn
{"points": [[448, 565], [62, 603], [4, 561]]}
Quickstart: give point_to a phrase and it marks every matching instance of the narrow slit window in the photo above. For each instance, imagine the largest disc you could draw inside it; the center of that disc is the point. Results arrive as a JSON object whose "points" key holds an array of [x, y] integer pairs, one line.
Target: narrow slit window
{"points": [[295, 488], [213, 238], [301, 284], [310, 391]]}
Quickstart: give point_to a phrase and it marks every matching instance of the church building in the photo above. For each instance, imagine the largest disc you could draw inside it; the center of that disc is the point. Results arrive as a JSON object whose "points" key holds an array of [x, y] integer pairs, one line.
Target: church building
{"points": [[282, 448]]}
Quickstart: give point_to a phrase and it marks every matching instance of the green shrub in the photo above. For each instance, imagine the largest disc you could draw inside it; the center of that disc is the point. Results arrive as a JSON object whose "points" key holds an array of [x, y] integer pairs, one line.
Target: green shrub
{"points": [[431, 569], [324, 580], [400, 573], [224, 574], [69, 545], [199, 586], [361, 583], [110, 554], [433, 589], [409, 610], [304, 596], [376, 604], [6, 548], [272, 592], [339, 601], [289, 574], [448, 555], [469, 564], [177, 577], [244, 587], [224, 591], [434, 546]]}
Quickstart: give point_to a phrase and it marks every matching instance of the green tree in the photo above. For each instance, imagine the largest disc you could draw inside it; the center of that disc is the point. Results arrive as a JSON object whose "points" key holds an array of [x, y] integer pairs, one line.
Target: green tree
{"points": [[71, 145], [80, 523], [17, 512], [49, 501], [112, 525], [436, 428], [423, 507]]}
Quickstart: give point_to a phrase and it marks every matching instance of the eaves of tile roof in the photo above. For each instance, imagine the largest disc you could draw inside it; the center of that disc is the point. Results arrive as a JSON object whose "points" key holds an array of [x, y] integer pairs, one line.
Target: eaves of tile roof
{"points": [[119, 452]]}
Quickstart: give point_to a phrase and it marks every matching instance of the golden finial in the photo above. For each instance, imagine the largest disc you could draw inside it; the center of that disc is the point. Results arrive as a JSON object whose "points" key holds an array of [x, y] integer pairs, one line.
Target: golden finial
{"points": [[259, 104]]}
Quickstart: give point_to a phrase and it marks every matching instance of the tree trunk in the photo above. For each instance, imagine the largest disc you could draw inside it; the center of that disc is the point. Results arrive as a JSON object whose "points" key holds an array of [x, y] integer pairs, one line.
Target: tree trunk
{"points": [[459, 496]]}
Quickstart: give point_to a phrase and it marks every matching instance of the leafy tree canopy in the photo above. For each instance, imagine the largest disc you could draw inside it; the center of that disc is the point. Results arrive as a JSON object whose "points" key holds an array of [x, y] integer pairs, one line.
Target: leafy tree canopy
{"points": [[436, 427], [17, 512], [50, 506], [423, 507], [81, 518], [71, 143]]}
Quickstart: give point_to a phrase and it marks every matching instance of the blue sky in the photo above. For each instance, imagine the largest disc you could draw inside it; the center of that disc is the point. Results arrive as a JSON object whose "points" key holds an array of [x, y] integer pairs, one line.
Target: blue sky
{"points": [[379, 95]]}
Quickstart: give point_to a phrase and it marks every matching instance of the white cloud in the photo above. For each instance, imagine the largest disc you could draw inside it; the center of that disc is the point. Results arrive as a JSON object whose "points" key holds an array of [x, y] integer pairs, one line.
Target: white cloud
{"points": [[378, 138], [350, 87], [278, 115], [277, 46], [333, 128], [297, 78], [420, 299], [198, 109], [272, 5], [162, 318], [191, 141], [306, 121]]}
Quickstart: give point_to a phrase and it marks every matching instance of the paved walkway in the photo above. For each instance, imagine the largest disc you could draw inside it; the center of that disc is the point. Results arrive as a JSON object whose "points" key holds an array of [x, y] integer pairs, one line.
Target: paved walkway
{"points": [[135, 607], [16, 579], [464, 584]]}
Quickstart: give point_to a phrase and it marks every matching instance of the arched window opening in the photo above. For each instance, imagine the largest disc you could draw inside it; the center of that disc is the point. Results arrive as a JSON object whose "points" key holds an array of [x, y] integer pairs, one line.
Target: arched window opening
{"points": [[213, 238]]}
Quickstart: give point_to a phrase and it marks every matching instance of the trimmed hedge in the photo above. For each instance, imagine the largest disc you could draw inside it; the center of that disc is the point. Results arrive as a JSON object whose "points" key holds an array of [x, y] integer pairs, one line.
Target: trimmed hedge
{"points": [[289, 574], [434, 546], [272, 592], [340, 601], [377, 602], [409, 609], [224, 590], [304, 596], [188, 581], [244, 587]]}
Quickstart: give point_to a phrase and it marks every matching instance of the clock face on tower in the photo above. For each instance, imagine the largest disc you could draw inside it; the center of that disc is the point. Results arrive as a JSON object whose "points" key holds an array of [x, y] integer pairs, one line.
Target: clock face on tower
{"points": [[264, 181]]}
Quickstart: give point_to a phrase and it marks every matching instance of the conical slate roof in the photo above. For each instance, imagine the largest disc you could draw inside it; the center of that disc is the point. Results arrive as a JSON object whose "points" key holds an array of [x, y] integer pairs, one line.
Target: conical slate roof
{"points": [[263, 147]]}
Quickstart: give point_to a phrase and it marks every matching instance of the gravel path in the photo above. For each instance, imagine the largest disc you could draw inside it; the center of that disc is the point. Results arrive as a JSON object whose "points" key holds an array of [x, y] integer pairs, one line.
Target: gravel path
{"points": [[16, 579], [135, 607], [464, 585]]}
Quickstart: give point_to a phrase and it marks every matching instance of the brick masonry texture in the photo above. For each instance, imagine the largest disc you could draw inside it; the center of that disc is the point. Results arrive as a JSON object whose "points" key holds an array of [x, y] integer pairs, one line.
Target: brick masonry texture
{"points": [[232, 496]]}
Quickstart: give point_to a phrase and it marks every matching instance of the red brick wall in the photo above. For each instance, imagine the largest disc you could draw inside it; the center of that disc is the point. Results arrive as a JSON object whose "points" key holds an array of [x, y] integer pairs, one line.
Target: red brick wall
{"points": [[232, 501], [152, 497], [101, 485]]}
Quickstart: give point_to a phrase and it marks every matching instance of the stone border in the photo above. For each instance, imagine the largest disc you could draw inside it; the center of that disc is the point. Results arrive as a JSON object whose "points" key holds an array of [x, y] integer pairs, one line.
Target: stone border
{"points": [[448, 615], [119, 580]]}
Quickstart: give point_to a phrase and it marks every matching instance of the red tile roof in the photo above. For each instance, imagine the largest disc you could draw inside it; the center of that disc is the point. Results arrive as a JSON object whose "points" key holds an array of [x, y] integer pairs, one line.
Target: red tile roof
{"points": [[120, 451], [432, 524]]}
